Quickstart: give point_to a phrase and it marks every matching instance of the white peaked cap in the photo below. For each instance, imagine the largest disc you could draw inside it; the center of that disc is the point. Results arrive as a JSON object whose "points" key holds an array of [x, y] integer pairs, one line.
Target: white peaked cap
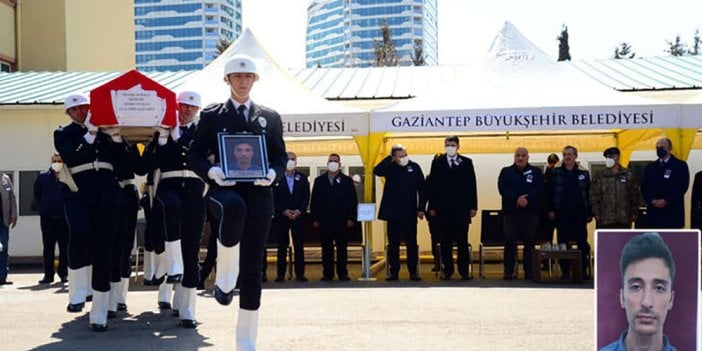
{"points": [[240, 63], [189, 98], [75, 100]]}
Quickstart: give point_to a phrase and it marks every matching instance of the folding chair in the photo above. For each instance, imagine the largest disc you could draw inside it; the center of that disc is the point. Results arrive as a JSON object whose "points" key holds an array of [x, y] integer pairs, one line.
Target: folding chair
{"points": [[492, 235]]}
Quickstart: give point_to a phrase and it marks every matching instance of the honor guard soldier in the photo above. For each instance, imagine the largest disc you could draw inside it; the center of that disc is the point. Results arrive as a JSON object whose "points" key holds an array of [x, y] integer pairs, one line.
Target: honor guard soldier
{"points": [[242, 210], [89, 155], [126, 230], [180, 202]]}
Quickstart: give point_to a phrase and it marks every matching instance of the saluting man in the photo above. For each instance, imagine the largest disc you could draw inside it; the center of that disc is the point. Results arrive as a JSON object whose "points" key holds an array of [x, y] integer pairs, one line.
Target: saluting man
{"points": [[180, 201], [91, 209], [241, 210]]}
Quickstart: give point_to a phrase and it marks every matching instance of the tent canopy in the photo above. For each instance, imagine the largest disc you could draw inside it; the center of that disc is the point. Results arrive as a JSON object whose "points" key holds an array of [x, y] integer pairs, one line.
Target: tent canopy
{"points": [[519, 88], [303, 112]]}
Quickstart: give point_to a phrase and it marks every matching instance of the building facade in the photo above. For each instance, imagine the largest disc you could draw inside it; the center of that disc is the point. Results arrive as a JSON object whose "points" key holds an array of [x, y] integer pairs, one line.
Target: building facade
{"points": [[342, 33], [175, 35]]}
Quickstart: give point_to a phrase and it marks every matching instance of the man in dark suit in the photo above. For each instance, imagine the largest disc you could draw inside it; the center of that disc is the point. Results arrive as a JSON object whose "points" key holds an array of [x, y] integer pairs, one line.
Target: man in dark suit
{"points": [[454, 201], [664, 186], [334, 205], [403, 202], [242, 210], [49, 194], [292, 195]]}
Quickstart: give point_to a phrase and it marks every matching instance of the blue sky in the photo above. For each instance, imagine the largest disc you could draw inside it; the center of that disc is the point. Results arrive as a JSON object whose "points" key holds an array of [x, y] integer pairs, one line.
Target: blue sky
{"points": [[467, 27]]}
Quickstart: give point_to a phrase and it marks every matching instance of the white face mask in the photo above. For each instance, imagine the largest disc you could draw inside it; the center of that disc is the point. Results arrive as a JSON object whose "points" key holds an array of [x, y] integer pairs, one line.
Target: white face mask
{"points": [[56, 166], [404, 161], [609, 162], [291, 165], [451, 151], [333, 166]]}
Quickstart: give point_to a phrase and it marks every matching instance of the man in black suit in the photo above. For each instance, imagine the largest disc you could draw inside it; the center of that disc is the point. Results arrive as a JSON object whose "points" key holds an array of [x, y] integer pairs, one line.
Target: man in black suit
{"points": [[403, 202], [334, 205], [454, 201], [292, 195], [664, 186], [242, 210]]}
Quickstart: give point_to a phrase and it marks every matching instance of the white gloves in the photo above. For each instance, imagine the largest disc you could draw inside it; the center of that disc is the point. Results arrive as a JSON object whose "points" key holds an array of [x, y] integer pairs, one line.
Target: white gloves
{"points": [[113, 132], [268, 180], [175, 133], [162, 135], [216, 174], [92, 130]]}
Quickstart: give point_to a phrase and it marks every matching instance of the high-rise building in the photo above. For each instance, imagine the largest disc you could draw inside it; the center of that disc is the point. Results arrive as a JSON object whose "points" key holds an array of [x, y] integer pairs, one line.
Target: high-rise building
{"points": [[173, 35], [342, 33]]}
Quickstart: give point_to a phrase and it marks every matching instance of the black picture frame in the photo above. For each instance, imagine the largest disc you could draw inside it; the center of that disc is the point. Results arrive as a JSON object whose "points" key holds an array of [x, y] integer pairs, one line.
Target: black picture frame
{"points": [[258, 161]]}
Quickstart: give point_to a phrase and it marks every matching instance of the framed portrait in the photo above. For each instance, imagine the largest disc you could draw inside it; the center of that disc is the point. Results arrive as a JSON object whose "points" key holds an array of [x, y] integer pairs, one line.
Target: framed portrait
{"points": [[674, 307], [243, 156]]}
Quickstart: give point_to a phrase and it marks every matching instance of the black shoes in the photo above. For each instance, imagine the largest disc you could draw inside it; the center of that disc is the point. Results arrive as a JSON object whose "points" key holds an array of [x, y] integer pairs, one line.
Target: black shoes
{"points": [[391, 278], [301, 278], [415, 277], [446, 276], [98, 328], [111, 314], [344, 278], [280, 279], [264, 278], [508, 277], [64, 279], [46, 280], [89, 298], [326, 279], [466, 277], [4, 281], [154, 281], [188, 323], [75, 307], [122, 307], [172, 279], [222, 297], [164, 305], [176, 313], [200, 285]]}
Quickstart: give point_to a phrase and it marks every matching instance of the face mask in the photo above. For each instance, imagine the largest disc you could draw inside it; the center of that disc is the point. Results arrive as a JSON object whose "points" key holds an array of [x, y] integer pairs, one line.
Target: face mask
{"points": [[291, 165], [660, 152], [451, 151], [404, 161], [333, 166], [609, 163], [56, 166]]}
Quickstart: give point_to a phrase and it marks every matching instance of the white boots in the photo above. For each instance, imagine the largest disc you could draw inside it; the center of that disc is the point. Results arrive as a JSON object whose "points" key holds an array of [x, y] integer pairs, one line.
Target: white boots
{"points": [[78, 285], [227, 267], [164, 295], [98, 310], [149, 265], [246, 330], [174, 258]]}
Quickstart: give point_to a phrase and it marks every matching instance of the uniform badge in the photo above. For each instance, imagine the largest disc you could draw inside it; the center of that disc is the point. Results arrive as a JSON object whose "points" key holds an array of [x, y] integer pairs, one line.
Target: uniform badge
{"points": [[297, 177], [529, 178], [667, 174], [581, 177], [262, 121], [338, 180], [622, 179], [410, 169]]}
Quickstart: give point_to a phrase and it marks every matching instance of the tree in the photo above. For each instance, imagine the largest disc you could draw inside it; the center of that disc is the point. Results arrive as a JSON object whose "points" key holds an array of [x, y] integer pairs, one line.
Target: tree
{"points": [[623, 51], [222, 45], [385, 48], [676, 48], [418, 59], [563, 47], [695, 50]]}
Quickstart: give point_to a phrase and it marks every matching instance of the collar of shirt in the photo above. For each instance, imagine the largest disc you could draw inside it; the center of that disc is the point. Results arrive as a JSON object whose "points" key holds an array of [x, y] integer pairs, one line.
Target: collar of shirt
{"points": [[449, 158], [665, 160], [620, 344], [237, 104]]}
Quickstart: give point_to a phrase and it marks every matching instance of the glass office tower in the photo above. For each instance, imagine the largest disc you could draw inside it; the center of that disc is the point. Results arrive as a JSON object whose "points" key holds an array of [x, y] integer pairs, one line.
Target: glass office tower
{"points": [[173, 35], [342, 33]]}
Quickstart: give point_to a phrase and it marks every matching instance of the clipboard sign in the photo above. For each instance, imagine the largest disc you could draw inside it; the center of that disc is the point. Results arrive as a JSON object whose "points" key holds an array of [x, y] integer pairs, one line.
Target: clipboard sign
{"points": [[366, 212]]}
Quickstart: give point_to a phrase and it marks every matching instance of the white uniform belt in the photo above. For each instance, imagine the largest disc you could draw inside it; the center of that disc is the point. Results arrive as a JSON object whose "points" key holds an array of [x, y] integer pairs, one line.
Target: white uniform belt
{"points": [[92, 165], [179, 174], [123, 183]]}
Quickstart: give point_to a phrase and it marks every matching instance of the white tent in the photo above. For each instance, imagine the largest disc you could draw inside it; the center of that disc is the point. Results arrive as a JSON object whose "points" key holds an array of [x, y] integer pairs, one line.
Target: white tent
{"points": [[519, 88], [303, 113]]}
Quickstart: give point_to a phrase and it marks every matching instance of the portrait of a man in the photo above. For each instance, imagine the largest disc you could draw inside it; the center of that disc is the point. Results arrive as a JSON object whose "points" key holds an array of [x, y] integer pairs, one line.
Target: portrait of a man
{"points": [[658, 299], [245, 159]]}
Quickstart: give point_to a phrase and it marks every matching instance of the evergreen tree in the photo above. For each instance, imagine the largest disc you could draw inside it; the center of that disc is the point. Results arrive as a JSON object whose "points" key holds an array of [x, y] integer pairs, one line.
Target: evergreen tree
{"points": [[695, 50], [563, 46], [222, 45], [676, 48], [385, 48], [623, 51], [418, 58]]}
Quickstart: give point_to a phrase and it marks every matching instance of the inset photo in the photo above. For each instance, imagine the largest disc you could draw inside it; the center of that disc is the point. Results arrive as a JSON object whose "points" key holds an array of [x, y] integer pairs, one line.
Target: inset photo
{"points": [[647, 288]]}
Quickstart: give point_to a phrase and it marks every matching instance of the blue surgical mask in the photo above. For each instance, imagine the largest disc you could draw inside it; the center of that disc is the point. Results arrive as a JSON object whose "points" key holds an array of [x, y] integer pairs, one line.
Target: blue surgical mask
{"points": [[660, 152]]}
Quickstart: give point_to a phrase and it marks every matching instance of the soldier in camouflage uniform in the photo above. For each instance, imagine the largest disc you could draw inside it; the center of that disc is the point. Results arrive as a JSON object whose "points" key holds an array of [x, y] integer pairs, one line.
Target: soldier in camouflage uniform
{"points": [[614, 193]]}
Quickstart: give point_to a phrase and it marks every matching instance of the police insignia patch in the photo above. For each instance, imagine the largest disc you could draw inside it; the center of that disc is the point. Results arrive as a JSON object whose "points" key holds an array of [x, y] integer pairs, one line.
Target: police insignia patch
{"points": [[262, 121]]}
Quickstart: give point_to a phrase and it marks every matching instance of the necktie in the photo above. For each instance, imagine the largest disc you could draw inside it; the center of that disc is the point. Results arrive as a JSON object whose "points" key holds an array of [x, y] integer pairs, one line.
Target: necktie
{"points": [[453, 162], [242, 115]]}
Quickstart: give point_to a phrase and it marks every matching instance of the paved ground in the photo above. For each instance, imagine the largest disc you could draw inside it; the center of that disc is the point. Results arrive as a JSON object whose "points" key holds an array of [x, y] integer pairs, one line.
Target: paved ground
{"points": [[482, 314]]}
